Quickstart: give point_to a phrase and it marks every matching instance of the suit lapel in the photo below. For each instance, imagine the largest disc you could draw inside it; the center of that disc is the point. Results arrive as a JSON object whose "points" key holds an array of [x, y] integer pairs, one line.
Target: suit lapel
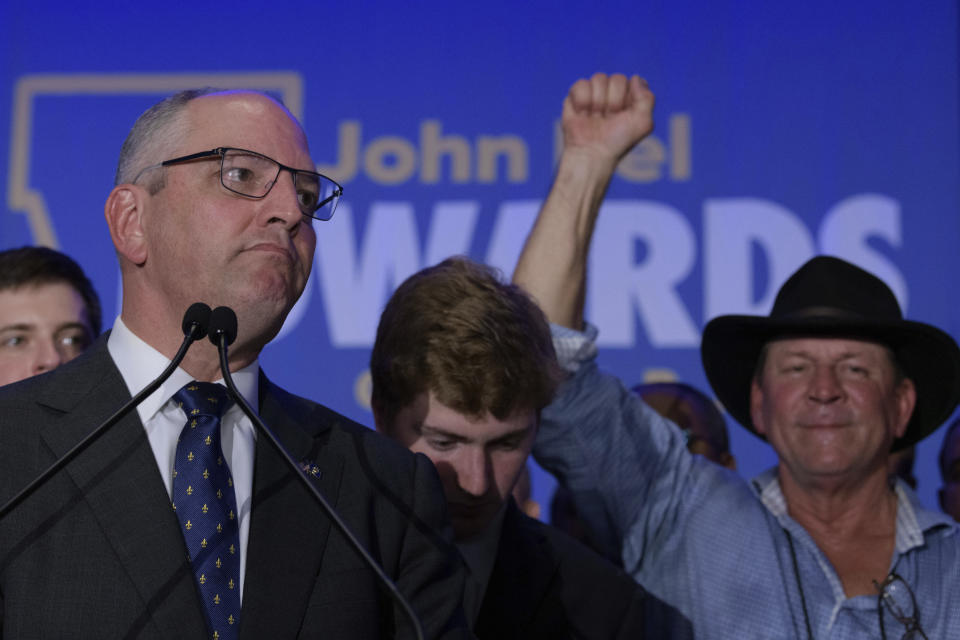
{"points": [[121, 484], [288, 530], [521, 576]]}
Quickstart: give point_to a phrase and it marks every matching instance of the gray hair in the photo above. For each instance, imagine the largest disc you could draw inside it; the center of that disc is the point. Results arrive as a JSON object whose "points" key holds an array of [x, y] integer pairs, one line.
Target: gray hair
{"points": [[154, 129]]}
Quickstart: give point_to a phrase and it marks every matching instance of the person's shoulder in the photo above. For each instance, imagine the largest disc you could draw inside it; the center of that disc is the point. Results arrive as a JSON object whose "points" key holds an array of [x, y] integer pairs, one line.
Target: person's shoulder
{"points": [[67, 381], [600, 599], [15, 393], [68, 400], [309, 415], [574, 556], [337, 430]]}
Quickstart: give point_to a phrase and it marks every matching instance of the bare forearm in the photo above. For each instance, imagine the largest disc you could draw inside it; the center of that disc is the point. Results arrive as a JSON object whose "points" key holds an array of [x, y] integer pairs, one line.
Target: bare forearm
{"points": [[553, 265], [603, 118]]}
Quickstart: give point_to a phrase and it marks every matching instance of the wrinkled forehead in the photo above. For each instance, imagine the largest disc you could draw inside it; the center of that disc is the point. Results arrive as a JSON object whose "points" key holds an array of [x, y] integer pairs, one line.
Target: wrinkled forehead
{"points": [[828, 347], [831, 349]]}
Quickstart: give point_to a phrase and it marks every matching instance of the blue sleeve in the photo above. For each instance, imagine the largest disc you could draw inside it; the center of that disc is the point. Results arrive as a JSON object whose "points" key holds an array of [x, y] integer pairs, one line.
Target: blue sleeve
{"points": [[629, 470]]}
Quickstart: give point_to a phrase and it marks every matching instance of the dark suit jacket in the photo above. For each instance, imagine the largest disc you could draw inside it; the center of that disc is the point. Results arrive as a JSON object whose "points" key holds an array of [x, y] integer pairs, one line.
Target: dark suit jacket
{"points": [[97, 552], [545, 585]]}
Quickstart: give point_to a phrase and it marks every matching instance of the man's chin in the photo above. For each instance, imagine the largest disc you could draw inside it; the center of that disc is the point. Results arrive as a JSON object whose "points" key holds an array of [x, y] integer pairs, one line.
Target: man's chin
{"points": [[259, 319]]}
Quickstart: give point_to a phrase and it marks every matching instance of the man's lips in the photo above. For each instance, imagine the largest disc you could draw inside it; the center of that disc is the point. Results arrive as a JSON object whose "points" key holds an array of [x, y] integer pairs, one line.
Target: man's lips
{"points": [[273, 248], [824, 427], [827, 424], [825, 419]]}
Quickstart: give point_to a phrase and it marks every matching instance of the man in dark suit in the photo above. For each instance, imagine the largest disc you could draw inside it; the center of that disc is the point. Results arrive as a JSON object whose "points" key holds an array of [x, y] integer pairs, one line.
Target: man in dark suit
{"points": [[117, 545], [461, 367]]}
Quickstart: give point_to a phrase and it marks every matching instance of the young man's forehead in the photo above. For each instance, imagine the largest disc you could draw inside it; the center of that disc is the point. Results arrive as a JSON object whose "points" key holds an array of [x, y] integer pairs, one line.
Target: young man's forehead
{"points": [[441, 418], [41, 294]]}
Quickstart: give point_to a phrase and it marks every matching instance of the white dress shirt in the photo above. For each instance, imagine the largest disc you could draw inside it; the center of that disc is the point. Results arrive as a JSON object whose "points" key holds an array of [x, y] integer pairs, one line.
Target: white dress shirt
{"points": [[139, 364]]}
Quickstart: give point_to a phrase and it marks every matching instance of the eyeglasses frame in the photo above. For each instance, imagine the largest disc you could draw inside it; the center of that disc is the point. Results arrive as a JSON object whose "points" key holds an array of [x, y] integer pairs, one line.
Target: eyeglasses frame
{"points": [[222, 152], [911, 623]]}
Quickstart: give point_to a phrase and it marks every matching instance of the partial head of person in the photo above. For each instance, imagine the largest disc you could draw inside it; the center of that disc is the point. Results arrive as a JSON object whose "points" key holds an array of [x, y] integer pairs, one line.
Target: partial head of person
{"points": [[461, 367], [834, 378], [949, 459], [697, 416], [214, 201], [49, 312]]}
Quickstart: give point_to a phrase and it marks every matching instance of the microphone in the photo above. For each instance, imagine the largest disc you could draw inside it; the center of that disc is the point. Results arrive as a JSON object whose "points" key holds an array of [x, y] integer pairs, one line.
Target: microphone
{"points": [[194, 325], [223, 323], [222, 332]]}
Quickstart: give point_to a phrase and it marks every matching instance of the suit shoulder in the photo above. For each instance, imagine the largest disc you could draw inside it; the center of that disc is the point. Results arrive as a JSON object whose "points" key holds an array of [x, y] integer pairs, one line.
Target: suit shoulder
{"points": [[60, 389], [324, 423], [575, 559], [583, 595], [308, 414], [17, 392]]}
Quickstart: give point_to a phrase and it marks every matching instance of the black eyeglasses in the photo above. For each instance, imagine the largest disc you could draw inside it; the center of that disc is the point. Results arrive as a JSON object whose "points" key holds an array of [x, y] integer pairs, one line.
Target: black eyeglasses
{"points": [[898, 600], [253, 174]]}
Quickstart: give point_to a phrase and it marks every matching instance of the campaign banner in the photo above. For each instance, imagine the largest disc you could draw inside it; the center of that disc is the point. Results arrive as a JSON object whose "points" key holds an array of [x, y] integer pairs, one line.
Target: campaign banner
{"points": [[784, 130]]}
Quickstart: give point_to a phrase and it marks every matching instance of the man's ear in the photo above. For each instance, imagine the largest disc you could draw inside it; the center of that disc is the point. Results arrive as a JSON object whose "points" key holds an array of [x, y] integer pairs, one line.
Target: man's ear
{"points": [[906, 399], [124, 213], [756, 407]]}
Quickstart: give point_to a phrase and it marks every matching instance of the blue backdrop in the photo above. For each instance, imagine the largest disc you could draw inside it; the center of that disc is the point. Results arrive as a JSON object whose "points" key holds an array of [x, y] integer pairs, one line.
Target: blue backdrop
{"points": [[783, 130]]}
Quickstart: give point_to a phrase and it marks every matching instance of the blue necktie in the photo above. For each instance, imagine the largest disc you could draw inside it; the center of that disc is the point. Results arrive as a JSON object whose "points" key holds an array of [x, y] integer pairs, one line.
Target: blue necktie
{"points": [[206, 506]]}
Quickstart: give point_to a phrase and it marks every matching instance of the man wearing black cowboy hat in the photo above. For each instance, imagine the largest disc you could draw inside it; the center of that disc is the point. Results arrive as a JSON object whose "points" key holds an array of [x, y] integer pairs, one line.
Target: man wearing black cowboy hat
{"points": [[823, 545]]}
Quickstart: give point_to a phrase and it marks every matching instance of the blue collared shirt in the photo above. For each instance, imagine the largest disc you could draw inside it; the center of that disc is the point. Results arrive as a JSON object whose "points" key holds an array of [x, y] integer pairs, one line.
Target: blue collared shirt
{"points": [[717, 548]]}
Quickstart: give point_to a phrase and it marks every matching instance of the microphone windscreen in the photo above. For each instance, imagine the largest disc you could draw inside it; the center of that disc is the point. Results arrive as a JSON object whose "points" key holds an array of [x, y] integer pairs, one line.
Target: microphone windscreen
{"points": [[223, 320], [198, 314]]}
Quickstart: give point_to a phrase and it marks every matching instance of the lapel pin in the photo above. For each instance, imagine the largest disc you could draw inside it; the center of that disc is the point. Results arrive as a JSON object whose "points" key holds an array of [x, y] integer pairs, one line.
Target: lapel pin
{"points": [[310, 469]]}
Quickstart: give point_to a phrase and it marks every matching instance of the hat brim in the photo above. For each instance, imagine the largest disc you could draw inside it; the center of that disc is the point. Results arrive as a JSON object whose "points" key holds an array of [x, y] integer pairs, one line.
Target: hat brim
{"points": [[731, 346]]}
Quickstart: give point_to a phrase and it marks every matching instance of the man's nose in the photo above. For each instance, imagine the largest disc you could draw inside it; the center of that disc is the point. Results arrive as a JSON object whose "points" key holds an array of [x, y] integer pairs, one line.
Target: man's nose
{"points": [[473, 474], [46, 356], [825, 386], [282, 204]]}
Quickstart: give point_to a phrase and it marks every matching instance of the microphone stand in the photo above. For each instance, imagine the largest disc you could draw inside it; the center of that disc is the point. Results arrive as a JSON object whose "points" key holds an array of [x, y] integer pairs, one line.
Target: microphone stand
{"points": [[223, 331], [194, 326]]}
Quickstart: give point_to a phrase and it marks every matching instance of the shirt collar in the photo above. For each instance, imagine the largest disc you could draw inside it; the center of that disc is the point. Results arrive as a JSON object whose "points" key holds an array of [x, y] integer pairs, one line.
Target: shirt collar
{"points": [[139, 364], [913, 521], [767, 486]]}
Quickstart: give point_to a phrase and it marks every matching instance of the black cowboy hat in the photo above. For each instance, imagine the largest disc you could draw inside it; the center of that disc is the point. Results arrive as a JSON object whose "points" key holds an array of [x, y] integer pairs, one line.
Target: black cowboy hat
{"points": [[829, 297]]}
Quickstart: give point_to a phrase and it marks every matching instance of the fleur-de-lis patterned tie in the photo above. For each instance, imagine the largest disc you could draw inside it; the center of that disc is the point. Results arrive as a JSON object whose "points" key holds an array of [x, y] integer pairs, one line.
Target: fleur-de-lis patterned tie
{"points": [[206, 506]]}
